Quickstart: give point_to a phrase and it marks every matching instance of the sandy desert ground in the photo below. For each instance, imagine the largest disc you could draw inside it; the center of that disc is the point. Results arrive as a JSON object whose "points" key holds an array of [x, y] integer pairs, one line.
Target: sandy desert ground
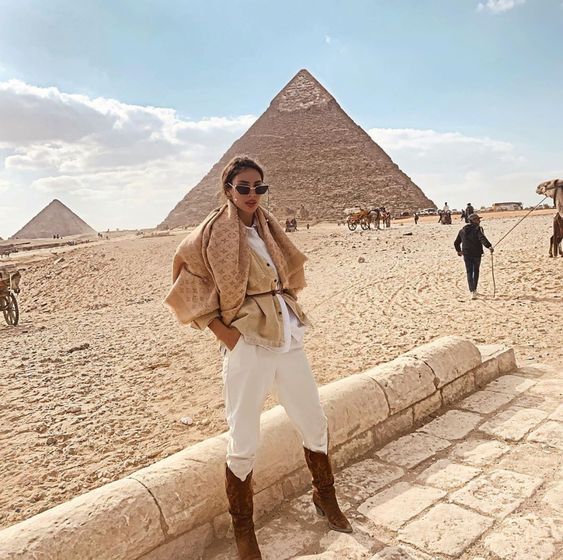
{"points": [[95, 379]]}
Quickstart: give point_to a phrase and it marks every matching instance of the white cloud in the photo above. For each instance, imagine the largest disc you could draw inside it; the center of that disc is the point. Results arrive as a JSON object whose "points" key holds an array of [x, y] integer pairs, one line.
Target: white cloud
{"points": [[328, 39], [102, 150], [498, 6], [429, 151], [453, 167], [426, 140], [48, 129]]}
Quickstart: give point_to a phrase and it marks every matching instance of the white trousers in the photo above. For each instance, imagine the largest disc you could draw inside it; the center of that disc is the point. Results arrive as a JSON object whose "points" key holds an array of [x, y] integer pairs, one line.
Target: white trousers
{"points": [[249, 373]]}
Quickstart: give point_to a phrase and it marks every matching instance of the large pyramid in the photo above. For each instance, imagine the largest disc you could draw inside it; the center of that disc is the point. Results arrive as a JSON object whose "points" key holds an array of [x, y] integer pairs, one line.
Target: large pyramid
{"points": [[318, 162], [55, 218]]}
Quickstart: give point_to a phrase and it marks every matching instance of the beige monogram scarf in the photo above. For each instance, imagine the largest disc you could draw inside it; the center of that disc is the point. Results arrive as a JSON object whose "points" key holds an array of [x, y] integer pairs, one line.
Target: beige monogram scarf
{"points": [[211, 266]]}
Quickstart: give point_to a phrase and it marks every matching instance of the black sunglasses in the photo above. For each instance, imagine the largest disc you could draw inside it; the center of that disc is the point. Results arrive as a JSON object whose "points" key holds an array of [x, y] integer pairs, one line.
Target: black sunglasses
{"points": [[244, 189]]}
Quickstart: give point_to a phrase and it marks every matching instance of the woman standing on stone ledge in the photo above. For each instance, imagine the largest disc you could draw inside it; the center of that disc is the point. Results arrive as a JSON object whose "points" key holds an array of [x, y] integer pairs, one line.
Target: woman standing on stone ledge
{"points": [[238, 274]]}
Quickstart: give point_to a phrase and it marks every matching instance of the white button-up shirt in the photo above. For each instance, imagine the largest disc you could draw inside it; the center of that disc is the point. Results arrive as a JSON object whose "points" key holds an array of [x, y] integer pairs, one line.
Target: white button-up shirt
{"points": [[293, 329]]}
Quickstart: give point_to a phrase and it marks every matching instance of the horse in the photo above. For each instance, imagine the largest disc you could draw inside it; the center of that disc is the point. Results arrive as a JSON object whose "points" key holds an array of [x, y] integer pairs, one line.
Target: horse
{"points": [[385, 217], [445, 217], [554, 189], [5, 251], [375, 217]]}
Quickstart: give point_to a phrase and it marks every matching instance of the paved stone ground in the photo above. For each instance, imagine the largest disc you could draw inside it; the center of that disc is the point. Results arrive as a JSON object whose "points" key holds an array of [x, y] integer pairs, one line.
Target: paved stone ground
{"points": [[483, 481]]}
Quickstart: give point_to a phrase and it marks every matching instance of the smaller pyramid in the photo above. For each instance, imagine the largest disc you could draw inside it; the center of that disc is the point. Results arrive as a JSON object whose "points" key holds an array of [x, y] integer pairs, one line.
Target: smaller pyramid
{"points": [[54, 219]]}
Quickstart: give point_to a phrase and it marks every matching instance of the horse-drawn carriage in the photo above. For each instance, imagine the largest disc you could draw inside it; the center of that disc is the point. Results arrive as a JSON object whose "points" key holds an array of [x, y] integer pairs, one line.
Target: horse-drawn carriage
{"points": [[365, 218], [5, 250], [9, 287], [361, 218], [291, 224]]}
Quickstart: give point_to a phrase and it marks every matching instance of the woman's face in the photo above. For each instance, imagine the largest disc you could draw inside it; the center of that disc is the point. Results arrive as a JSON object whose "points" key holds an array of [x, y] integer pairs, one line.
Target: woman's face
{"points": [[246, 203]]}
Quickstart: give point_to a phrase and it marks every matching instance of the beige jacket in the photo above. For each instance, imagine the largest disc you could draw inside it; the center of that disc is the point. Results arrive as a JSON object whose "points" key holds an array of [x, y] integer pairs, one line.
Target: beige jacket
{"points": [[216, 274], [259, 320]]}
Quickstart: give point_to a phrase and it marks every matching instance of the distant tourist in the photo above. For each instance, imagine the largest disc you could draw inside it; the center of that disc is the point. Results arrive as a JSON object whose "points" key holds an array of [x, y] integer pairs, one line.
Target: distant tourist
{"points": [[468, 211], [239, 248], [445, 215], [416, 217], [469, 245]]}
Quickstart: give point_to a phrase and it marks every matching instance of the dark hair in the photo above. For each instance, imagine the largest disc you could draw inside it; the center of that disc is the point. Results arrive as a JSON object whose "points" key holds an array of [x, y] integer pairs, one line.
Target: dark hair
{"points": [[235, 166]]}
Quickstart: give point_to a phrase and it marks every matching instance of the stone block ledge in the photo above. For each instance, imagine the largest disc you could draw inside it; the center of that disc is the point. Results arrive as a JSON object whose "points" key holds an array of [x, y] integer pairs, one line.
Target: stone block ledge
{"points": [[175, 508]]}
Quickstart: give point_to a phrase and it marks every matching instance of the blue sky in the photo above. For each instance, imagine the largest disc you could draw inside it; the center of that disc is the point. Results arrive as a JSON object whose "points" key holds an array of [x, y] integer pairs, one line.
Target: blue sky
{"points": [[117, 108]]}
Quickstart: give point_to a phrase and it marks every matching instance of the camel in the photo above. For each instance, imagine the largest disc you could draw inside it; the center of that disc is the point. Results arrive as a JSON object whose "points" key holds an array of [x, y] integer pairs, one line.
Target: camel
{"points": [[554, 189]]}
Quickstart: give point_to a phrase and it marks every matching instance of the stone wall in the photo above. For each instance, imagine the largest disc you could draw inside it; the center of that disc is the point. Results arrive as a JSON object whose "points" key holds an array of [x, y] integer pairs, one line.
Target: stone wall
{"points": [[175, 508]]}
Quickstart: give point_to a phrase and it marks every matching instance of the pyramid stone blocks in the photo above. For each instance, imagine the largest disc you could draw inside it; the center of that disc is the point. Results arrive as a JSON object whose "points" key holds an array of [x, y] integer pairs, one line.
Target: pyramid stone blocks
{"points": [[318, 162], [55, 218]]}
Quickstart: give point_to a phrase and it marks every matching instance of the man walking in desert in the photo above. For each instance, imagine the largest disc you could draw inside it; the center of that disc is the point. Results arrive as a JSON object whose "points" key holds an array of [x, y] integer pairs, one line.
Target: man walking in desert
{"points": [[469, 245]]}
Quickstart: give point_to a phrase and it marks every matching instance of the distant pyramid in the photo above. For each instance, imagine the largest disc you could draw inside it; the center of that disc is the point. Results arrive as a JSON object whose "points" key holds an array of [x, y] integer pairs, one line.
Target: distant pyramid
{"points": [[317, 160], [55, 218]]}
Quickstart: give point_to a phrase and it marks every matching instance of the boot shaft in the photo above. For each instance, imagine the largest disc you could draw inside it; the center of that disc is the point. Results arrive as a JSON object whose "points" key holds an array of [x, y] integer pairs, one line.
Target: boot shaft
{"points": [[324, 494], [241, 508], [321, 469], [239, 494]]}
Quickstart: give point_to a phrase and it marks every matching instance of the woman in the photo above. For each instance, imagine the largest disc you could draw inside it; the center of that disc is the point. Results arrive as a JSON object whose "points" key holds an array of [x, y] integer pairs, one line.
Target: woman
{"points": [[238, 274]]}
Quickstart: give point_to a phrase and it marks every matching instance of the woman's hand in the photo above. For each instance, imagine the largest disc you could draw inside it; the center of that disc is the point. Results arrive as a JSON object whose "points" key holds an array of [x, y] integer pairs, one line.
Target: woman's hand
{"points": [[229, 336]]}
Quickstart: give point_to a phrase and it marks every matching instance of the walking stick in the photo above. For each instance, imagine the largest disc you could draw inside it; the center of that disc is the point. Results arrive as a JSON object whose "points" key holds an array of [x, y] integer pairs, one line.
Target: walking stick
{"points": [[493, 273]]}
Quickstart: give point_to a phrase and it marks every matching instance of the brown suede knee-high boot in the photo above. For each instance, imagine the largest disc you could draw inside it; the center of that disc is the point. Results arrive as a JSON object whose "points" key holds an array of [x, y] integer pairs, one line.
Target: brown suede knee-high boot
{"points": [[241, 508], [324, 495]]}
